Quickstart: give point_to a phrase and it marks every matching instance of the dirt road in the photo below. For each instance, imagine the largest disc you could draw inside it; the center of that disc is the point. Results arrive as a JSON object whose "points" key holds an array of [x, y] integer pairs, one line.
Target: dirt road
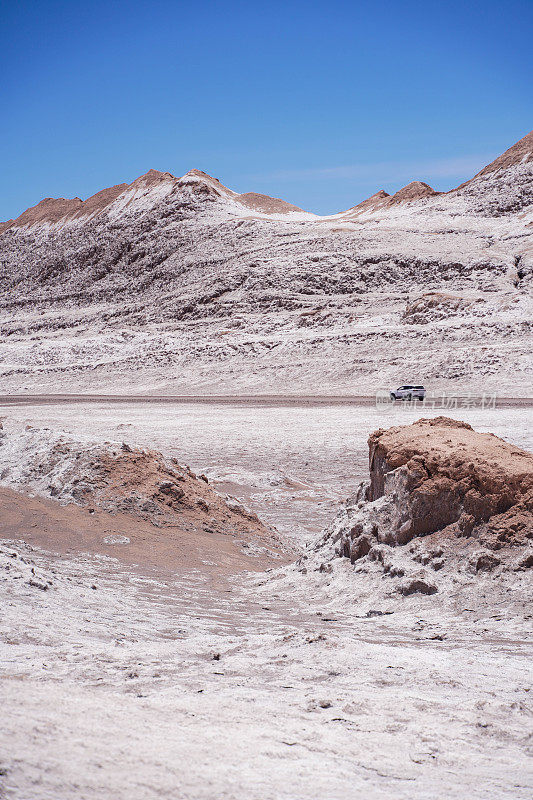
{"points": [[270, 401]]}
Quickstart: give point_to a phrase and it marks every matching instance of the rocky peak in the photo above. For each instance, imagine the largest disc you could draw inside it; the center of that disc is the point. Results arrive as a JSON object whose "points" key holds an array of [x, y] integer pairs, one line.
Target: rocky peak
{"points": [[413, 191], [519, 153], [152, 178]]}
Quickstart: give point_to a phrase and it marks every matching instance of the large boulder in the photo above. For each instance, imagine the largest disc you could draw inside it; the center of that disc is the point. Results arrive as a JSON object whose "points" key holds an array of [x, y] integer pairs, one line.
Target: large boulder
{"points": [[442, 472], [439, 482]]}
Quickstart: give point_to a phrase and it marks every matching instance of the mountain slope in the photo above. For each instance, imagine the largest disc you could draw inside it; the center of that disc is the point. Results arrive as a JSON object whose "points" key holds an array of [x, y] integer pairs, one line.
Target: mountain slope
{"points": [[519, 153], [183, 285], [142, 193], [504, 185]]}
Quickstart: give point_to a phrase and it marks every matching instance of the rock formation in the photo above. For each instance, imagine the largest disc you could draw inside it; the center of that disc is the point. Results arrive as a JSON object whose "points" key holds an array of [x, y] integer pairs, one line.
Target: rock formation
{"points": [[122, 479], [440, 495]]}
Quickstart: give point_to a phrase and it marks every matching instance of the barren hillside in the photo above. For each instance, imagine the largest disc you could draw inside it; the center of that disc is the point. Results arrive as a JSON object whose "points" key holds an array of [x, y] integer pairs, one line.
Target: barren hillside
{"points": [[181, 285]]}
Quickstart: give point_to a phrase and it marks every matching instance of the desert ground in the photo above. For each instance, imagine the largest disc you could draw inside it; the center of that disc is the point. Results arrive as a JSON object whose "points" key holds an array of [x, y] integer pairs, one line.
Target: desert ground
{"points": [[138, 665], [227, 572]]}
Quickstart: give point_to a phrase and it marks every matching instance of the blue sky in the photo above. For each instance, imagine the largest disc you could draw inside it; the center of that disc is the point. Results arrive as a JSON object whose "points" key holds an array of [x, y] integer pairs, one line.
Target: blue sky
{"points": [[321, 103]]}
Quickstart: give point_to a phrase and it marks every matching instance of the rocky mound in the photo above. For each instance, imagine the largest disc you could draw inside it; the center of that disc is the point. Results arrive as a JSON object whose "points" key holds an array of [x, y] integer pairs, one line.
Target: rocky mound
{"points": [[442, 496], [447, 474], [121, 479], [413, 191]]}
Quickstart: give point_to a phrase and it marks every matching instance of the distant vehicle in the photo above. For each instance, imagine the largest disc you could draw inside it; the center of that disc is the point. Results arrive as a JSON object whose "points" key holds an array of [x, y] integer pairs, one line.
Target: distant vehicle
{"points": [[408, 392]]}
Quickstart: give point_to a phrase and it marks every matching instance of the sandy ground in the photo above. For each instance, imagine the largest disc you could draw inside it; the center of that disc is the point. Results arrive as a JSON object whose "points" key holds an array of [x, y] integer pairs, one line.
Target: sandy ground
{"points": [[164, 681], [138, 544]]}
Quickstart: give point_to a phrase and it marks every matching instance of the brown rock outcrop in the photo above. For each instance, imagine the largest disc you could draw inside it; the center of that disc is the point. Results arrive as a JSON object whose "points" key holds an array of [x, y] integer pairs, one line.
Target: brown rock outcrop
{"points": [[447, 473], [413, 191], [441, 498]]}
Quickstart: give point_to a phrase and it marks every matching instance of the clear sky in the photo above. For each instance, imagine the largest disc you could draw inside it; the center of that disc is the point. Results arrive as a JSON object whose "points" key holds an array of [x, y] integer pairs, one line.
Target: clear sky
{"points": [[321, 103]]}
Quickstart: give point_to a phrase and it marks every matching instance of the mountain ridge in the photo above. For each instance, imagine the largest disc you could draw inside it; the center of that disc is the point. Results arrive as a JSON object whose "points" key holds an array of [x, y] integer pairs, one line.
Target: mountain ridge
{"points": [[55, 210], [183, 286]]}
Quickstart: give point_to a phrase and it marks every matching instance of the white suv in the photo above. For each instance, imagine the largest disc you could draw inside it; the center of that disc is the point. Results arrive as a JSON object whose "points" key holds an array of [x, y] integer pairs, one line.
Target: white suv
{"points": [[408, 392]]}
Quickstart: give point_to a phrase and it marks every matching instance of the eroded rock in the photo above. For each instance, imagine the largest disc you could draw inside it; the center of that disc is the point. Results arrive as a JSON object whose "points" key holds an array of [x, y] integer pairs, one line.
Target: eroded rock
{"points": [[440, 472], [439, 494], [417, 586]]}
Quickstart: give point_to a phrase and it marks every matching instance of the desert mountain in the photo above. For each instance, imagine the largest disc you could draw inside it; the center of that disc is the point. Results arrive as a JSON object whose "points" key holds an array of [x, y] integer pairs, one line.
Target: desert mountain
{"points": [[152, 185], [56, 210], [183, 285]]}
